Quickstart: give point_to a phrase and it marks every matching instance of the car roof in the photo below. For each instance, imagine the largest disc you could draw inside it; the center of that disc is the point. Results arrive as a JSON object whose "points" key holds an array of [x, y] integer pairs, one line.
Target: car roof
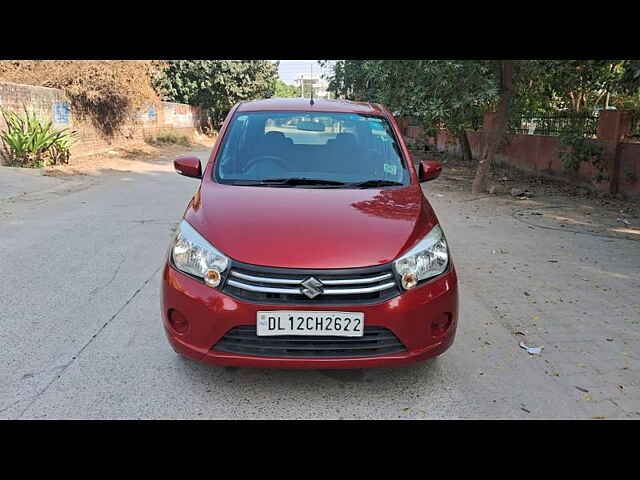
{"points": [[319, 105]]}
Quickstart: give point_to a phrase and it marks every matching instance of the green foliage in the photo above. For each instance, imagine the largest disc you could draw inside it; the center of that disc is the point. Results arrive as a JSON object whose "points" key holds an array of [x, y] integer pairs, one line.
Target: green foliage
{"points": [[550, 86], [455, 94], [438, 93], [216, 85], [168, 137], [284, 90], [568, 87], [29, 141], [635, 125], [576, 149]]}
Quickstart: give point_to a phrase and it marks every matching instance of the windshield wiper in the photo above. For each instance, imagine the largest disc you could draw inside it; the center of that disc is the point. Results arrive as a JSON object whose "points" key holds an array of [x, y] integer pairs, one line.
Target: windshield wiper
{"points": [[374, 183], [300, 181], [293, 181]]}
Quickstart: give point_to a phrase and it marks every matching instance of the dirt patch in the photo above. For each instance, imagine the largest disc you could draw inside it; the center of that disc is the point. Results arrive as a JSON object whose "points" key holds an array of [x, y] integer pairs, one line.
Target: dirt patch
{"points": [[136, 157], [541, 201]]}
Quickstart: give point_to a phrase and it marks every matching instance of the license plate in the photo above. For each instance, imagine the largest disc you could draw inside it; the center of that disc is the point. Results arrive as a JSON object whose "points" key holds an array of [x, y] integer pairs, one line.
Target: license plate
{"points": [[285, 322]]}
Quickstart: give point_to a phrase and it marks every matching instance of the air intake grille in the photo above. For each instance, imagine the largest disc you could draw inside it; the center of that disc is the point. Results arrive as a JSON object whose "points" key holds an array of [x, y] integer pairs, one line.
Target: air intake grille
{"points": [[288, 285], [244, 341]]}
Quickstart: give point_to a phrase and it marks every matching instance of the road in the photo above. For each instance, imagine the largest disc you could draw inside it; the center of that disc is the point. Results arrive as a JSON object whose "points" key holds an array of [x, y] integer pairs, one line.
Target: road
{"points": [[82, 337]]}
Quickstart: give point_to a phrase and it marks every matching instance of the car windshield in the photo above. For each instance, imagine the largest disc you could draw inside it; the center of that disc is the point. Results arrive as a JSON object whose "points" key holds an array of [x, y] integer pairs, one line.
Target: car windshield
{"points": [[326, 150]]}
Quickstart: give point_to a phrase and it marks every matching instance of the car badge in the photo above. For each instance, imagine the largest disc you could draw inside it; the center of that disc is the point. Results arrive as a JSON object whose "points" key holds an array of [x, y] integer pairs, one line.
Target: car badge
{"points": [[311, 287]]}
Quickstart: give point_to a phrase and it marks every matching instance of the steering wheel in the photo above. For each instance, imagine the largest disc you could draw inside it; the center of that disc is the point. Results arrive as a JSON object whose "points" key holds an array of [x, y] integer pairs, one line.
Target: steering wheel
{"points": [[272, 158]]}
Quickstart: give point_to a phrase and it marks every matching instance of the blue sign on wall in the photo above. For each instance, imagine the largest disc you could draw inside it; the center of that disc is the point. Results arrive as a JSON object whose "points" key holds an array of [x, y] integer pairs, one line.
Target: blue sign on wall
{"points": [[151, 113], [61, 112]]}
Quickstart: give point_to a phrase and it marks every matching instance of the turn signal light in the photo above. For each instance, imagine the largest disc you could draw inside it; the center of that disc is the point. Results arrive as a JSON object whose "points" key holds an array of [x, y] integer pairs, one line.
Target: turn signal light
{"points": [[212, 277], [409, 280]]}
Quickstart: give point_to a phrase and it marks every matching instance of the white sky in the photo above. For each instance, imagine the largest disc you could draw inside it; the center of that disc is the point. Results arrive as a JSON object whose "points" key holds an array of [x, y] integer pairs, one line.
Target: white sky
{"points": [[290, 68]]}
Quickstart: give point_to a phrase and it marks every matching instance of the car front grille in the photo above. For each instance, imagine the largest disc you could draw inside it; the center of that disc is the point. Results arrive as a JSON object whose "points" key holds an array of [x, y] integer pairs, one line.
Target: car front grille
{"points": [[286, 285], [243, 340]]}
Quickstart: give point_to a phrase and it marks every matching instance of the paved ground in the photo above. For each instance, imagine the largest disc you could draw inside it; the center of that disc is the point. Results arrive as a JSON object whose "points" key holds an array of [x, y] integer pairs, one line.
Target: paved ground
{"points": [[82, 338], [16, 183]]}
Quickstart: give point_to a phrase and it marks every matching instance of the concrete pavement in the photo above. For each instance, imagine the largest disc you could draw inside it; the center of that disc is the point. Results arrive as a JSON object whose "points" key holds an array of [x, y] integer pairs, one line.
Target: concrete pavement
{"points": [[82, 335]]}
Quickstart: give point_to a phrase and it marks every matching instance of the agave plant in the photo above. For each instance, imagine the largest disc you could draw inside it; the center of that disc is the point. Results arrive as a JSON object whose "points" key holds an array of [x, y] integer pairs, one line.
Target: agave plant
{"points": [[31, 142]]}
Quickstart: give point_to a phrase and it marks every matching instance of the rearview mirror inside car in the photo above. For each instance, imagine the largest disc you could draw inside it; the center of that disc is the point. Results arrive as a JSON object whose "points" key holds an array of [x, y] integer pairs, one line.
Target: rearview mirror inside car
{"points": [[311, 126]]}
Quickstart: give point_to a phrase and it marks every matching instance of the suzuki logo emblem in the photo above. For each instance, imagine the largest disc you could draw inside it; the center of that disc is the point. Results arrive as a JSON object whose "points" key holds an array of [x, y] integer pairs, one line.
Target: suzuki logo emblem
{"points": [[311, 287]]}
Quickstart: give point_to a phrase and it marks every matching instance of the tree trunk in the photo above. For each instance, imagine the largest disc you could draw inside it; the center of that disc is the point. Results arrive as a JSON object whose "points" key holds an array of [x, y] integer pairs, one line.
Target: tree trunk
{"points": [[493, 135], [465, 146]]}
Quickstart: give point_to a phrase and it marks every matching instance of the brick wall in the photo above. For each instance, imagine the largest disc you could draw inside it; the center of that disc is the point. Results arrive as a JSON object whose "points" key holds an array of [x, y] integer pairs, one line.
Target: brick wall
{"points": [[541, 154], [53, 104], [629, 155]]}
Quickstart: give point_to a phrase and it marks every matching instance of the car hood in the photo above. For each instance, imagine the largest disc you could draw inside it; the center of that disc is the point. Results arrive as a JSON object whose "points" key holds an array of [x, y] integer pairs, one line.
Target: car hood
{"points": [[310, 227]]}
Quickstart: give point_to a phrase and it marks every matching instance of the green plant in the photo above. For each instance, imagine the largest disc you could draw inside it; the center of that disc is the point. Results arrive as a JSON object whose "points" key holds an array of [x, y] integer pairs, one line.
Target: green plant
{"points": [[28, 141], [576, 149]]}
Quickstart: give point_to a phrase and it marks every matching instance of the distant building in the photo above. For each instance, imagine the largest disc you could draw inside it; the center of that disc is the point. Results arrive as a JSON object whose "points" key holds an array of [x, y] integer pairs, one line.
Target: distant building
{"points": [[305, 82]]}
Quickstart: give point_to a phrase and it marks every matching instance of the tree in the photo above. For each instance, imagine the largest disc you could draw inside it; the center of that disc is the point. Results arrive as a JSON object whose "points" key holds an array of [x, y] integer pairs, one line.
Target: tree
{"points": [[438, 93], [628, 94], [573, 85], [450, 94], [576, 90], [456, 94], [284, 90], [497, 129], [630, 79], [577, 86], [216, 85]]}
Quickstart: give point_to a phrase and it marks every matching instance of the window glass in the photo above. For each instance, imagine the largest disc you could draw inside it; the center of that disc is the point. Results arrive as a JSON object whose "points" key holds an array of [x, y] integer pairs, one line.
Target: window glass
{"points": [[336, 147]]}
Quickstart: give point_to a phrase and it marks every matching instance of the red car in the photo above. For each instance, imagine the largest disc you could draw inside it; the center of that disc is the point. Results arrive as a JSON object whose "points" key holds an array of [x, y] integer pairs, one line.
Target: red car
{"points": [[309, 244]]}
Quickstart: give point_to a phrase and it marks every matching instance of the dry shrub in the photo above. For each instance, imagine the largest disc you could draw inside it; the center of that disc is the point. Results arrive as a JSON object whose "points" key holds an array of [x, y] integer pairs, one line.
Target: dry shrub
{"points": [[167, 137], [107, 92]]}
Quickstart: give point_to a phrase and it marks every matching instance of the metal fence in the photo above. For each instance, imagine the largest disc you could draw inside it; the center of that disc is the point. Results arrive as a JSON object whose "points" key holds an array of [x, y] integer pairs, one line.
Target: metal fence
{"points": [[555, 125]]}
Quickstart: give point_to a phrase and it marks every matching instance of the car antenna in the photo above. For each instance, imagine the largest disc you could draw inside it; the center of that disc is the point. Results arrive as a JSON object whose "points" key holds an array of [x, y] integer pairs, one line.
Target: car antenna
{"points": [[311, 82]]}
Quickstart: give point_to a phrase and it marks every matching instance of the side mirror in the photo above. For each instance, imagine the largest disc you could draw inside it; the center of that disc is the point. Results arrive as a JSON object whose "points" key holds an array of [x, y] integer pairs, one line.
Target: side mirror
{"points": [[188, 166], [429, 170]]}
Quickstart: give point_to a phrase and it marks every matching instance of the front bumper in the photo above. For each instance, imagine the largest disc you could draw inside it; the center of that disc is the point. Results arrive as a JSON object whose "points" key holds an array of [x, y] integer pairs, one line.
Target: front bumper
{"points": [[211, 314]]}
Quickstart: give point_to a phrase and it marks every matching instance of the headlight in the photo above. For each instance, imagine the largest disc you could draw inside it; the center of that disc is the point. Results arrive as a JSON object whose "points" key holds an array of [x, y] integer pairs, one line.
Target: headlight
{"points": [[192, 254], [427, 259]]}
